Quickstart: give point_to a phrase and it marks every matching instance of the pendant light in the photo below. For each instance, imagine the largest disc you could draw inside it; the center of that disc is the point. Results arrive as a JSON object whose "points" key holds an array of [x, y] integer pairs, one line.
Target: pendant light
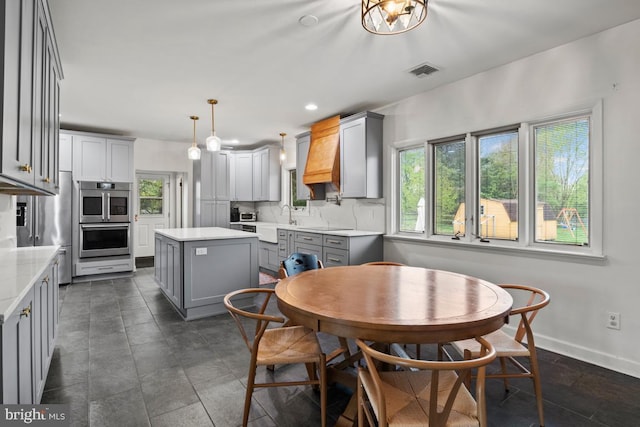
{"points": [[213, 142], [194, 152], [283, 154]]}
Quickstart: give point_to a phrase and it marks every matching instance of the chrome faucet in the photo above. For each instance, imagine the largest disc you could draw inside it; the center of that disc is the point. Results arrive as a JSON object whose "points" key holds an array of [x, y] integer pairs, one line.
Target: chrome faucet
{"points": [[291, 220]]}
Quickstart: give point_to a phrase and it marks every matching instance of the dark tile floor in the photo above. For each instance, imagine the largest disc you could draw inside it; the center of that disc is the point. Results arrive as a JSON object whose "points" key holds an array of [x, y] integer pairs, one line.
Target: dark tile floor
{"points": [[125, 358]]}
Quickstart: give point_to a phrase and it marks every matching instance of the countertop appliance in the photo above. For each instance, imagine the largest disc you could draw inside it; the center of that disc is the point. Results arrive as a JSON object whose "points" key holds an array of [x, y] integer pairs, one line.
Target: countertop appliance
{"points": [[235, 215], [248, 216], [46, 220]]}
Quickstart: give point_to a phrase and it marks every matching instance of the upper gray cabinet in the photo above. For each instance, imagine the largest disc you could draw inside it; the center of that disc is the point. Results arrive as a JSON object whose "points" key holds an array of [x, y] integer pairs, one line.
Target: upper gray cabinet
{"points": [[242, 176], [214, 170], [102, 158], [266, 174], [255, 175], [361, 156], [29, 119]]}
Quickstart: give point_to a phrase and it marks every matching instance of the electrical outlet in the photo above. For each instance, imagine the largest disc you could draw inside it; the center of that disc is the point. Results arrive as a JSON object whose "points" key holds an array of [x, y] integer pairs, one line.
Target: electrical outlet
{"points": [[613, 320], [201, 251]]}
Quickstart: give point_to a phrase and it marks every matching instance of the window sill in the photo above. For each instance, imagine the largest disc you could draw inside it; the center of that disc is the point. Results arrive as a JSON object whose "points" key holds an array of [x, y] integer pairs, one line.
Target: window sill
{"points": [[495, 247]]}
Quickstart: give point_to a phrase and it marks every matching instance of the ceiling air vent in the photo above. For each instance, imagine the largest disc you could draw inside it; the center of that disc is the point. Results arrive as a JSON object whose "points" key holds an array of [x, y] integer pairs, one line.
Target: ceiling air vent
{"points": [[423, 70]]}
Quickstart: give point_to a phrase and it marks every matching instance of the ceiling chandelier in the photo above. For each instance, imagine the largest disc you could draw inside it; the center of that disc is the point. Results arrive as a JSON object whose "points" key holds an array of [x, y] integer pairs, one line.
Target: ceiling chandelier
{"points": [[213, 142], [194, 152], [392, 16]]}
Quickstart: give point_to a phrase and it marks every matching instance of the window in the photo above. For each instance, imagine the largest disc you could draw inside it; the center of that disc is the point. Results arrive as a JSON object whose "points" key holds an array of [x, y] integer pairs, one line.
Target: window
{"points": [[532, 186], [412, 201], [498, 182], [293, 195], [150, 196], [449, 187], [562, 182]]}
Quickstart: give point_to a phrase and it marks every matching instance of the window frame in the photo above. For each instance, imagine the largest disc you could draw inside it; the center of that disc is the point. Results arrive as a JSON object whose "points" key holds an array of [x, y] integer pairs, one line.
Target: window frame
{"points": [[526, 190]]}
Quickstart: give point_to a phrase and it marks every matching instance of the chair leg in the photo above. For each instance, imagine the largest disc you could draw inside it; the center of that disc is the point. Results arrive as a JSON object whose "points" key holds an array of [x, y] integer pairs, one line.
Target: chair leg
{"points": [[323, 391], [251, 379], [359, 394], [535, 376], [503, 364]]}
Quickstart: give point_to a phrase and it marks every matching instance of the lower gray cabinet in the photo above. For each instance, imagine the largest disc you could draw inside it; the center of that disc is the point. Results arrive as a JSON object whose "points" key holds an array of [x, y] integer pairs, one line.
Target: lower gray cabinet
{"points": [[195, 275], [269, 257], [28, 340], [17, 354], [333, 250]]}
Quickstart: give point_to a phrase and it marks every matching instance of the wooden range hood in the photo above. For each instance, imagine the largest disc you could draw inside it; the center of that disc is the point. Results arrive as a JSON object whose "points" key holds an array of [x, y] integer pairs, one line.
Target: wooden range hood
{"points": [[323, 160]]}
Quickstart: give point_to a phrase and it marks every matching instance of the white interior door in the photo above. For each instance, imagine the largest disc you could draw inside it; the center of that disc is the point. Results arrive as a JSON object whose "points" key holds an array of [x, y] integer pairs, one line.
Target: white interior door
{"points": [[153, 210]]}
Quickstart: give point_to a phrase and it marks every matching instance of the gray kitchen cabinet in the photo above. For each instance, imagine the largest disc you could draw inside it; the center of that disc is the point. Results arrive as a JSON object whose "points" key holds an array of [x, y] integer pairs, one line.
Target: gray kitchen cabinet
{"points": [[212, 190], [332, 249], [100, 158], [45, 318], [17, 354], [308, 243], [214, 213], [242, 177], [214, 170], [28, 340], [255, 175], [303, 141], [361, 156], [268, 257], [266, 174], [286, 240], [29, 118], [195, 275]]}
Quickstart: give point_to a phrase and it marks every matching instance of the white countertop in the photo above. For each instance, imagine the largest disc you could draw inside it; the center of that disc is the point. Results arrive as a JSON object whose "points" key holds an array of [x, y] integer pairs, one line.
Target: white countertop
{"points": [[334, 231], [20, 268], [203, 233]]}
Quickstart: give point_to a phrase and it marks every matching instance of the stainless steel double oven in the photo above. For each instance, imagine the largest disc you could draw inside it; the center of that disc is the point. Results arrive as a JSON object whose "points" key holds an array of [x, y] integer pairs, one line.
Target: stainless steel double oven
{"points": [[105, 219]]}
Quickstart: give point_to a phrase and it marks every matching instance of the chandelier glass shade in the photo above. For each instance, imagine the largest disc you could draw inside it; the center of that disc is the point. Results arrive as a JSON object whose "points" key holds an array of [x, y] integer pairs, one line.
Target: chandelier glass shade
{"points": [[392, 16], [283, 154], [213, 142], [194, 152]]}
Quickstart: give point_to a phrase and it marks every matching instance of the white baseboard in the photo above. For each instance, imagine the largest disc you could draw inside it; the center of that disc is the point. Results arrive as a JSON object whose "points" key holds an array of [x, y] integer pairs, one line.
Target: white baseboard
{"points": [[605, 360]]}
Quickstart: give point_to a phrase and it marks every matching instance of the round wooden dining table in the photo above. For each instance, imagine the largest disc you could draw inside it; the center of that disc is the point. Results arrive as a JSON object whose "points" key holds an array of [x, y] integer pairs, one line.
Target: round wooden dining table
{"points": [[393, 304]]}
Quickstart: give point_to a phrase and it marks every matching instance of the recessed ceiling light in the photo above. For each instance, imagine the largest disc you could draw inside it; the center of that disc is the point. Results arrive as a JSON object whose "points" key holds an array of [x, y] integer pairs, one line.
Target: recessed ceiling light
{"points": [[311, 107], [308, 20], [231, 141]]}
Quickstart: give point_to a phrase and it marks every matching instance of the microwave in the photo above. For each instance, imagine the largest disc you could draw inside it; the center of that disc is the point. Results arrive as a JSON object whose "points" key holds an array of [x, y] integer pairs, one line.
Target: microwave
{"points": [[248, 216]]}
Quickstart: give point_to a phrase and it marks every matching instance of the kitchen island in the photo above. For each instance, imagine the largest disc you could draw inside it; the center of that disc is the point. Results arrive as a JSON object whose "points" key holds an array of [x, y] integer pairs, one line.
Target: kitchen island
{"points": [[197, 267]]}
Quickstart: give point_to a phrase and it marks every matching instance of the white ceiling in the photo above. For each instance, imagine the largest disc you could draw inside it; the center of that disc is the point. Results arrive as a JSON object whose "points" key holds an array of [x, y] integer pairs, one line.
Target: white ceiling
{"points": [[142, 67]]}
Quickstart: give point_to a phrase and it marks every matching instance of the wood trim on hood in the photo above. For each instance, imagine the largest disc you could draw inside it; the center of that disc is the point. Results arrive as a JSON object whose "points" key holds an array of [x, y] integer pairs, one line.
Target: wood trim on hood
{"points": [[323, 160]]}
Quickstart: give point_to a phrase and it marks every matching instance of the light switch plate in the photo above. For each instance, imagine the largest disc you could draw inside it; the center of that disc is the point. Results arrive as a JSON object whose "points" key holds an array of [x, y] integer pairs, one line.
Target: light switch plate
{"points": [[201, 251]]}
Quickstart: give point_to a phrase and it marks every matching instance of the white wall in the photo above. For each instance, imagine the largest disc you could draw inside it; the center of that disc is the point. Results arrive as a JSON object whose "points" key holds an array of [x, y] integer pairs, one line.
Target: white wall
{"points": [[556, 81], [152, 155]]}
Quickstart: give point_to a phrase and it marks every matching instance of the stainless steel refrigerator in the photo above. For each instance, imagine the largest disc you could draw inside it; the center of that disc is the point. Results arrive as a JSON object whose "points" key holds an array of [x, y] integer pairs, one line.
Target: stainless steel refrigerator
{"points": [[46, 220]]}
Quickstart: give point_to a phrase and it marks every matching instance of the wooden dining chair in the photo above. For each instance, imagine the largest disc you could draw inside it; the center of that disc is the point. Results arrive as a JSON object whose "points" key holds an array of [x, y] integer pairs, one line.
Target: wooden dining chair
{"points": [[298, 262], [510, 348], [281, 346], [427, 393]]}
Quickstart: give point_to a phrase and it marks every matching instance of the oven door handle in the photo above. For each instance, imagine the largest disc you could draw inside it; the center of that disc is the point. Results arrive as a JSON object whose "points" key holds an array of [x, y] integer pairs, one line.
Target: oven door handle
{"points": [[108, 207], [104, 207], [85, 226]]}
